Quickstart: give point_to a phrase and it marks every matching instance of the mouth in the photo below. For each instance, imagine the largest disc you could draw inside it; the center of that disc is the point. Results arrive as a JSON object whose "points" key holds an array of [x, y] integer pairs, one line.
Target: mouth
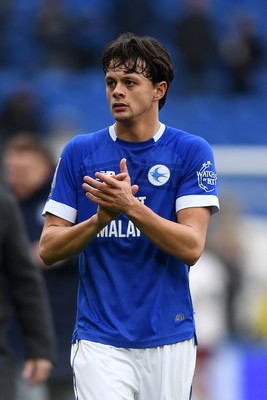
{"points": [[119, 106]]}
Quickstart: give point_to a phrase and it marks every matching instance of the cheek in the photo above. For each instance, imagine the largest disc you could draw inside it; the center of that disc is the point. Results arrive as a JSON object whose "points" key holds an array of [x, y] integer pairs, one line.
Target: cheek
{"points": [[109, 100], [144, 100]]}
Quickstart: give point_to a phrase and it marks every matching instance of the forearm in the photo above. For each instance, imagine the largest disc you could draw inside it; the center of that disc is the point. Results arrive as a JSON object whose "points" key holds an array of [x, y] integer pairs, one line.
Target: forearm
{"points": [[61, 242], [183, 239], [178, 240]]}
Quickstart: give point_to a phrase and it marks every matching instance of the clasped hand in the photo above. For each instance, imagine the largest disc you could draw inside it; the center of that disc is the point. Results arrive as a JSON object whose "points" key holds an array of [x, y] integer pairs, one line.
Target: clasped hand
{"points": [[113, 194]]}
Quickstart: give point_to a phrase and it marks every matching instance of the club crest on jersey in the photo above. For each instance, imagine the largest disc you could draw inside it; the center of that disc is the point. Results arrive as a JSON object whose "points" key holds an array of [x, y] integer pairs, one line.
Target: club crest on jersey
{"points": [[207, 178], [158, 175]]}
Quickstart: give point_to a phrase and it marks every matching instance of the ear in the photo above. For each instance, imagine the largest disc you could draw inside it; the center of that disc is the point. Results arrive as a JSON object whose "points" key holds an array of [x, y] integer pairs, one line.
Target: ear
{"points": [[160, 90]]}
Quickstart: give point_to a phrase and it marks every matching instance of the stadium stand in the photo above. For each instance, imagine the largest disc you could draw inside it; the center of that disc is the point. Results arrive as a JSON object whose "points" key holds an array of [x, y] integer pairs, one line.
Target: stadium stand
{"points": [[70, 96]]}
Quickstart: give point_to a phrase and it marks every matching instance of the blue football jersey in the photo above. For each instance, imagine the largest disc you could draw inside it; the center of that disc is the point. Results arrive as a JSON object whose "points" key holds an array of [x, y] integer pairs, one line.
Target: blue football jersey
{"points": [[132, 294]]}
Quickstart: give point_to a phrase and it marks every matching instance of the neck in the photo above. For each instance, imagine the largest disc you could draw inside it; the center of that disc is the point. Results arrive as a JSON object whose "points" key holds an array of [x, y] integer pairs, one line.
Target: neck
{"points": [[139, 132]]}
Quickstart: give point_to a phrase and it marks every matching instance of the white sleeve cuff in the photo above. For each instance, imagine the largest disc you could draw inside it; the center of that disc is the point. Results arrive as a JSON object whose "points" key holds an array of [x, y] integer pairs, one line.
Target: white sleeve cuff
{"points": [[60, 210], [198, 201]]}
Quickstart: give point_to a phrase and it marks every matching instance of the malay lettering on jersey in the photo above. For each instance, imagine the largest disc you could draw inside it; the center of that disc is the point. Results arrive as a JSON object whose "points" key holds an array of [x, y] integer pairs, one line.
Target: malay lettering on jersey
{"points": [[116, 228]]}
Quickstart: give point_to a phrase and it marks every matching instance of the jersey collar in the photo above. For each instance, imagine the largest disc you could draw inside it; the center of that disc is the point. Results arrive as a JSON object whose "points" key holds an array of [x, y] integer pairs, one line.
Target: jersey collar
{"points": [[156, 137]]}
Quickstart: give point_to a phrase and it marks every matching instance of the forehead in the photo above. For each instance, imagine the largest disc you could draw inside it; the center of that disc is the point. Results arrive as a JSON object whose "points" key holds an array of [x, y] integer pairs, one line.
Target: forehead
{"points": [[128, 67], [120, 73]]}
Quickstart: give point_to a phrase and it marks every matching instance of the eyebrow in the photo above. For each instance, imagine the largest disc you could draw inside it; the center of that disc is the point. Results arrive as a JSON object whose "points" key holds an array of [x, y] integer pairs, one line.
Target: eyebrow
{"points": [[126, 74]]}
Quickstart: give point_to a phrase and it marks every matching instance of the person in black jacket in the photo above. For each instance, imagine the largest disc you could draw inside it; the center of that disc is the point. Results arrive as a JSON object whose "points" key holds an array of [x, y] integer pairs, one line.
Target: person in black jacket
{"points": [[23, 294], [29, 167]]}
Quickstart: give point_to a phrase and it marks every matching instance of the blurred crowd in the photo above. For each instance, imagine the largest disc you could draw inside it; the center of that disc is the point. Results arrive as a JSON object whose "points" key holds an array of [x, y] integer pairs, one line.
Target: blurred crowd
{"points": [[211, 54], [214, 52], [71, 35]]}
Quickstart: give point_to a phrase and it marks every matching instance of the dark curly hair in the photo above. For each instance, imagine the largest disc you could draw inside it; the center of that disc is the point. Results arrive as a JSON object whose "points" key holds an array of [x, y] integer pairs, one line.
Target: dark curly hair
{"points": [[141, 54]]}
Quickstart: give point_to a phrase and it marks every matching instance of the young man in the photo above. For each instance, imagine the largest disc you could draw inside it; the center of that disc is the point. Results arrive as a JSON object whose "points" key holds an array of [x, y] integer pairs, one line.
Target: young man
{"points": [[134, 200]]}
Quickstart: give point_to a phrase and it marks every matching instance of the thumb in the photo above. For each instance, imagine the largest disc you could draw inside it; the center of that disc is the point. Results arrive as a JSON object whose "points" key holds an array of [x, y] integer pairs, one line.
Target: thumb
{"points": [[134, 189]]}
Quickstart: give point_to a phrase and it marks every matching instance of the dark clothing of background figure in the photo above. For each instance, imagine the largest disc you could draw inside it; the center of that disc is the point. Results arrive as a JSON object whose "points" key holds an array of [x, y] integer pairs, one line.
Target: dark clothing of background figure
{"points": [[242, 54], [23, 294], [134, 16], [196, 44], [61, 282]]}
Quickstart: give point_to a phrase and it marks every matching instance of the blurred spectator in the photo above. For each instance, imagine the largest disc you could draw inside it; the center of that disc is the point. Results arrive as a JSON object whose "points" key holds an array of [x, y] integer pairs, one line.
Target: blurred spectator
{"points": [[69, 41], [239, 240], [242, 52], [196, 42], [23, 296], [226, 242], [209, 281], [29, 168], [88, 32], [133, 16], [52, 31], [20, 112], [251, 311]]}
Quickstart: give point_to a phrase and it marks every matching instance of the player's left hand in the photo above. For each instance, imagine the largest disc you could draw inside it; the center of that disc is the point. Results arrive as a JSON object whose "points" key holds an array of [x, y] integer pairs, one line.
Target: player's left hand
{"points": [[112, 192]]}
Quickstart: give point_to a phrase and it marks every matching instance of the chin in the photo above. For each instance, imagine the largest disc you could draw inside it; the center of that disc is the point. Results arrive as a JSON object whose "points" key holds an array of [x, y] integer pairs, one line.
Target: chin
{"points": [[121, 118]]}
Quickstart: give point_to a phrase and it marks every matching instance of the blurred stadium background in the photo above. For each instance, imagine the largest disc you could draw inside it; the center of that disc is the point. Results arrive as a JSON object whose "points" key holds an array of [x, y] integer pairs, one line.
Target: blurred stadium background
{"points": [[51, 83]]}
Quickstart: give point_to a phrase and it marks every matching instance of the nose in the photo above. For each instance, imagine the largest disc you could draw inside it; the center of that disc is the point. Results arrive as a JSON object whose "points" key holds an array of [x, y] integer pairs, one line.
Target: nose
{"points": [[118, 90]]}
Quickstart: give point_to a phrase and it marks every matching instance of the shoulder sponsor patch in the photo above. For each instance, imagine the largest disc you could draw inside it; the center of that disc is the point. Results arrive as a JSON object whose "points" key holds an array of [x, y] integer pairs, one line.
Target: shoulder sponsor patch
{"points": [[207, 177]]}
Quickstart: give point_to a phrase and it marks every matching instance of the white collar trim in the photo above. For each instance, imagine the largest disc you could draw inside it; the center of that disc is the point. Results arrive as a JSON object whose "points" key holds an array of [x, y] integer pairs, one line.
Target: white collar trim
{"points": [[156, 137]]}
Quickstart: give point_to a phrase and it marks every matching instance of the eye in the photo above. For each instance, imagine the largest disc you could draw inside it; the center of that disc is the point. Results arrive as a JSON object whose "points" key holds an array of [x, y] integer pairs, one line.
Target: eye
{"points": [[130, 83], [110, 83]]}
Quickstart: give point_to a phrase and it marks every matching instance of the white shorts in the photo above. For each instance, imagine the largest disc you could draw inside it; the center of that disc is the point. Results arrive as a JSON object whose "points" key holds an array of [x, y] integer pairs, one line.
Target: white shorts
{"points": [[102, 372]]}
